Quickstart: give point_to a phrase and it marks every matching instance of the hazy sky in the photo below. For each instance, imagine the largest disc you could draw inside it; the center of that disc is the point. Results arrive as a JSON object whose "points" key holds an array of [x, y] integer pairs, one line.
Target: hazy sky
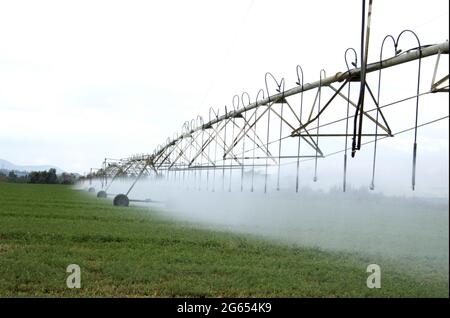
{"points": [[81, 80]]}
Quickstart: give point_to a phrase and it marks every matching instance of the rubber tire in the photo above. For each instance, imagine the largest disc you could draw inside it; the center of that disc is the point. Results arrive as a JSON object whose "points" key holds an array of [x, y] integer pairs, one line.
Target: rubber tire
{"points": [[101, 194], [91, 189], [121, 200]]}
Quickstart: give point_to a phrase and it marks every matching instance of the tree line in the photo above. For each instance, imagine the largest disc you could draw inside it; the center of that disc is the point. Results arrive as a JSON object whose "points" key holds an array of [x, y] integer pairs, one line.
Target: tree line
{"points": [[40, 177]]}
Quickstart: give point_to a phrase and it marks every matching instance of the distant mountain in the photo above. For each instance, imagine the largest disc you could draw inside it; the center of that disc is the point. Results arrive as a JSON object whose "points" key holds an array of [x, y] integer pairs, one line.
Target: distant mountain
{"points": [[6, 165]]}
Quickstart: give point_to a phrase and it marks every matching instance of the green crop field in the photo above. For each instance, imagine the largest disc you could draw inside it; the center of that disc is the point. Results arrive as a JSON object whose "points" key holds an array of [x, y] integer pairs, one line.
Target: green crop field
{"points": [[138, 252]]}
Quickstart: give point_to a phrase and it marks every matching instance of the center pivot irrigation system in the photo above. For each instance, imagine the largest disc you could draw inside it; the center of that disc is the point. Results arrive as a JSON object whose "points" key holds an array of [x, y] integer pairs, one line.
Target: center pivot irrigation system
{"points": [[255, 135]]}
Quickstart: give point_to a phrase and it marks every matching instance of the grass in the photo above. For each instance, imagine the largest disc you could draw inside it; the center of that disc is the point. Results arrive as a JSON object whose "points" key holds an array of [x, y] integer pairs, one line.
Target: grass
{"points": [[135, 252]]}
